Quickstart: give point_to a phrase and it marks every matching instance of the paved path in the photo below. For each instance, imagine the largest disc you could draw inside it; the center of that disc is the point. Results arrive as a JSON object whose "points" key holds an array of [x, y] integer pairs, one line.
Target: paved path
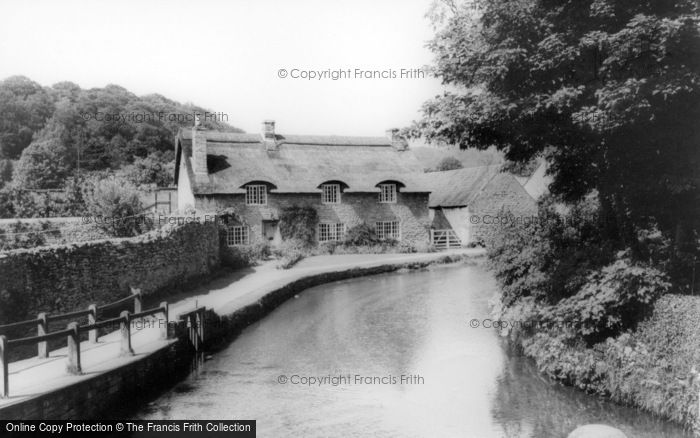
{"points": [[32, 377]]}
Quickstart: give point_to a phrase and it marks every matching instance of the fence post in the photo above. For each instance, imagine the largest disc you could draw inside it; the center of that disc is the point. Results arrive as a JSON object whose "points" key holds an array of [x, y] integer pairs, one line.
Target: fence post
{"points": [[73, 366], [432, 236], [5, 390], [200, 324], [92, 318], [42, 328], [164, 324], [191, 321], [198, 327], [125, 329], [137, 302]]}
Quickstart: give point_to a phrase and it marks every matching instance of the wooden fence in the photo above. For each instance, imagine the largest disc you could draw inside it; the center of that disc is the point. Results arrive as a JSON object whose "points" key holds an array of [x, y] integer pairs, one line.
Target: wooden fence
{"points": [[194, 321]]}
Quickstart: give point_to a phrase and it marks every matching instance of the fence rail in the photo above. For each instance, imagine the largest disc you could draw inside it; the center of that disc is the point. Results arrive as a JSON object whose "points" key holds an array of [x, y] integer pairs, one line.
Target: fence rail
{"points": [[43, 318], [73, 330], [19, 324]]}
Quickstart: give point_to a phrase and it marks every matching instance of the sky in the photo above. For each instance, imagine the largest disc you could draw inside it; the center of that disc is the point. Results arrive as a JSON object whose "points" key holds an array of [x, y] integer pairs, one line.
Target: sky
{"points": [[230, 56]]}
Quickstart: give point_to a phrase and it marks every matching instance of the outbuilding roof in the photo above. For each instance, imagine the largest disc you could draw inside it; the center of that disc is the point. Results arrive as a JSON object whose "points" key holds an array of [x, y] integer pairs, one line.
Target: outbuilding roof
{"points": [[458, 188], [300, 163]]}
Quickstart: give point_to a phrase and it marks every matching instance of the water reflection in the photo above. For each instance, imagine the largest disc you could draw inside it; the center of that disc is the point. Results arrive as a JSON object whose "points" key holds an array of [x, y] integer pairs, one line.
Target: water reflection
{"points": [[389, 325]]}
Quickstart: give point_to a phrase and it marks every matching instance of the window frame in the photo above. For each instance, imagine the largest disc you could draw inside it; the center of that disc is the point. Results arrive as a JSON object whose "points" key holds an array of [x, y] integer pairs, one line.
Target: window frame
{"points": [[334, 232], [336, 193], [391, 196], [256, 192], [394, 230], [237, 233]]}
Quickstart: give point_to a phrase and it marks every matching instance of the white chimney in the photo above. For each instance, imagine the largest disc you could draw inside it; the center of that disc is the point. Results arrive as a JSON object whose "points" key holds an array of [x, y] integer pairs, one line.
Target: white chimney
{"points": [[268, 135], [199, 154], [399, 143]]}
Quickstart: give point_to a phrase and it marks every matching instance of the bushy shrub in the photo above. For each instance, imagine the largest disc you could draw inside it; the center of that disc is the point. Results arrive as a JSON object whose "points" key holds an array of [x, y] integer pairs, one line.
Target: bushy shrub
{"points": [[116, 207], [551, 257], [291, 252], [299, 223], [515, 254], [613, 299], [449, 163], [408, 248], [243, 256], [328, 248], [15, 202], [155, 169], [361, 235]]}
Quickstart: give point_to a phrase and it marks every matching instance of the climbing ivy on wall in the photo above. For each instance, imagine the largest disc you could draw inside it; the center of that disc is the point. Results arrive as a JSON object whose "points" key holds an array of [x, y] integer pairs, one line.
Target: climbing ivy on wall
{"points": [[299, 223]]}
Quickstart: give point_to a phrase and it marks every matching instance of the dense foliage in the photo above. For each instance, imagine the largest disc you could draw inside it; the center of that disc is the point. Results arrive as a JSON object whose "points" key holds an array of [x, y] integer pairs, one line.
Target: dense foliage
{"points": [[550, 256], [22, 235], [612, 300], [299, 223], [607, 90], [361, 235], [449, 163], [114, 205], [52, 135]]}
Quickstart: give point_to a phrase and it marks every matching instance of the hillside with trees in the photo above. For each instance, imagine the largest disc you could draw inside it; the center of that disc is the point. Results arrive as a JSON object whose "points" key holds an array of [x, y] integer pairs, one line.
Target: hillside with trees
{"points": [[60, 136]]}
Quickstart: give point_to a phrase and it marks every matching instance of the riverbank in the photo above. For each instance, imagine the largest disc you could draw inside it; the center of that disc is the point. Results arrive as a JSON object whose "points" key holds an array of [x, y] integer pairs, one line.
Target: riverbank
{"points": [[41, 389], [653, 368]]}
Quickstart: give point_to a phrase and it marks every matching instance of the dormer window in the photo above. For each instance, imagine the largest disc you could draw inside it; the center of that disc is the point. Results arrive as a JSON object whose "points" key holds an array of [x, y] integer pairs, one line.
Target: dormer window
{"points": [[256, 194], [387, 193], [330, 193]]}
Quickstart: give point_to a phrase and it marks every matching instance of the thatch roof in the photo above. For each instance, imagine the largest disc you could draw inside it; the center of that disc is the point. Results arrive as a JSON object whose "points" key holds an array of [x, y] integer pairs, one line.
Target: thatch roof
{"points": [[300, 164], [458, 188]]}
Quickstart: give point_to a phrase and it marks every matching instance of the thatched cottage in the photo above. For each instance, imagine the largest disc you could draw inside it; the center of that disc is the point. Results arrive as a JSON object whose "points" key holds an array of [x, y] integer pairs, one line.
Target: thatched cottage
{"points": [[347, 180]]}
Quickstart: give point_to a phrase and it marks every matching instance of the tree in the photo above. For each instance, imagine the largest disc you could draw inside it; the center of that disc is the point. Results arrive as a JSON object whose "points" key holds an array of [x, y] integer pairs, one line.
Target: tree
{"points": [[156, 169], [449, 163], [115, 206], [24, 108], [42, 165], [607, 90], [101, 129]]}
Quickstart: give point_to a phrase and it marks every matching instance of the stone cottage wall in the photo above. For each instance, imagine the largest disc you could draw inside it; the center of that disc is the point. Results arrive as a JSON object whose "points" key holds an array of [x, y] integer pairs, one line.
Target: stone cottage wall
{"points": [[411, 210], [70, 277]]}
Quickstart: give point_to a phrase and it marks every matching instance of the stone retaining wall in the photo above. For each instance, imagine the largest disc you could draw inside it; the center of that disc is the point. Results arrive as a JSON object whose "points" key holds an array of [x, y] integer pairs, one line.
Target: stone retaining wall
{"points": [[64, 278], [109, 394]]}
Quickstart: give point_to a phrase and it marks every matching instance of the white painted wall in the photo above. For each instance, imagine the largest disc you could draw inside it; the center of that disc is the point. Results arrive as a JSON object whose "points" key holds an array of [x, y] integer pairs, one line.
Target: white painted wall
{"points": [[185, 196], [459, 220]]}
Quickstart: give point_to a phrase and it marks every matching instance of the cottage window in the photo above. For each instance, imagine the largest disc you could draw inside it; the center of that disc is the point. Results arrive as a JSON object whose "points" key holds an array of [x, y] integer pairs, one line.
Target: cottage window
{"points": [[330, 194], [388, 230], [331, 232], [237, 235], [387, 193], [256, 195]]}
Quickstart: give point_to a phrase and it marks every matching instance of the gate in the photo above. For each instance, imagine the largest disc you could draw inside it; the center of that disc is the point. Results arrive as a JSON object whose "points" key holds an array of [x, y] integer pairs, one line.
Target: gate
{"points": [[444, 239]]}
